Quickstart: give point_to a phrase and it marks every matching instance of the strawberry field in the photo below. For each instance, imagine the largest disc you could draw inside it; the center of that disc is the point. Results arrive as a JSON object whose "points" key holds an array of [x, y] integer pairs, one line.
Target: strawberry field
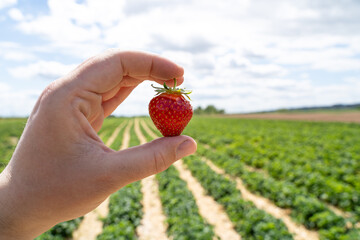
{"points": [[265, 179]]}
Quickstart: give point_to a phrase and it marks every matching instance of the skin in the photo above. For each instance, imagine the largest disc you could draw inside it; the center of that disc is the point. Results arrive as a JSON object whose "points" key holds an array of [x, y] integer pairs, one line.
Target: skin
{"points": [[61, 169]]}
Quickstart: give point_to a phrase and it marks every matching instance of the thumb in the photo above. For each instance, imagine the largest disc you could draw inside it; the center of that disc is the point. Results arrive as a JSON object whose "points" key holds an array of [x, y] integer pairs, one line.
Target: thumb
{"points": [[138, 162]]}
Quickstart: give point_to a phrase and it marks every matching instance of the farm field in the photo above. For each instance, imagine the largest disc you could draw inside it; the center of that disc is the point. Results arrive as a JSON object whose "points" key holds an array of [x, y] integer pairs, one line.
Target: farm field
{"points": [[250, 179], [321, 116]]}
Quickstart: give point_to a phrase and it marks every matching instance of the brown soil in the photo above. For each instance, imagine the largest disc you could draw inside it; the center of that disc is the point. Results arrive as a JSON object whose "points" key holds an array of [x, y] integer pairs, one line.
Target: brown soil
{"points": [[152, 226], [325, 117], [299, 231], [91, 226]]}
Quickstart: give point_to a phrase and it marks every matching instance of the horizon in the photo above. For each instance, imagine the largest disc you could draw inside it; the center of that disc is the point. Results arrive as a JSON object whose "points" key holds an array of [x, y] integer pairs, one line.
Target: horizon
{"points": [[241, 56]]}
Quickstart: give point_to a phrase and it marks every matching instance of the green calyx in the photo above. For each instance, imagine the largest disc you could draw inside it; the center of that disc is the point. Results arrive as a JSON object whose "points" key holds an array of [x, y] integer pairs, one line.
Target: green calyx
{"points": [[172, 90]]}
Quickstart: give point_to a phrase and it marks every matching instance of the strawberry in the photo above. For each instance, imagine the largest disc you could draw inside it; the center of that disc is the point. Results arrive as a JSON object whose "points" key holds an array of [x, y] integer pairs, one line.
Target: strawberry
{"points": [[169, 110]]}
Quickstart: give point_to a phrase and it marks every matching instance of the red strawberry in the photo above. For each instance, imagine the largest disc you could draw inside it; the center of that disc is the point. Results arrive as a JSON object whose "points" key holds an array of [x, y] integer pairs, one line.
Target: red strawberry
{"points": [[170, 111]]}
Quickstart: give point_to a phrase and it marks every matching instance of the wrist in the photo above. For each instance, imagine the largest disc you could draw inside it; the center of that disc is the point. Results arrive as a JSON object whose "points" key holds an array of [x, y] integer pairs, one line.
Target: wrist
{"points": [[11, 226]]}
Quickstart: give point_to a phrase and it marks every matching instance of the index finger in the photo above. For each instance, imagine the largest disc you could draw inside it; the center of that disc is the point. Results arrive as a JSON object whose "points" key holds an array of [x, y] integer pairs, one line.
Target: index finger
{"points": [[105, 71]]}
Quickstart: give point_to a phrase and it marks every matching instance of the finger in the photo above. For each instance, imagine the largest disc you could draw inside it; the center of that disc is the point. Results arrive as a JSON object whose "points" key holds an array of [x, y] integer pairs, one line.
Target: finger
{"points": [[139, 162], [104, 72], [110, 105]]}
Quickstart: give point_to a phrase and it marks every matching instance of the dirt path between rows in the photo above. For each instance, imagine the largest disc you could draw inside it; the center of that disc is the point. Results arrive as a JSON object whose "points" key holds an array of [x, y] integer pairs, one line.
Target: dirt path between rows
{"points": [[209, 209], [91, 225], [152, 226], [299, 231], [353, 117], [115, 134], [148, 130]]}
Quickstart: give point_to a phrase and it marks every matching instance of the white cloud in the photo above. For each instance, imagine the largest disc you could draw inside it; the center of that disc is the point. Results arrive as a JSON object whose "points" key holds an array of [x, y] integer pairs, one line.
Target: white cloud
{"points": [[17, 56], [16, 14], [7, 3], [15, 103], [4, 87], [48, 70], [12, 51]]}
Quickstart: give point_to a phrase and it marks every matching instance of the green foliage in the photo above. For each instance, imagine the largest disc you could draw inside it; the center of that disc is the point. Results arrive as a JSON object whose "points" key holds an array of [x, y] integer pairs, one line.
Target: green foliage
{"points": [[299, 178], [124, 230], [125, 213], [211, 109], [183, 218], [249, 221], [321, 158], [61, 231]]}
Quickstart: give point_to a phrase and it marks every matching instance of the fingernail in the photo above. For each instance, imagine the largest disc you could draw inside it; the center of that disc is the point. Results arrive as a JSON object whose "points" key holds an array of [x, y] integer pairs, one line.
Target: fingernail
{"points": [[186, 148]]}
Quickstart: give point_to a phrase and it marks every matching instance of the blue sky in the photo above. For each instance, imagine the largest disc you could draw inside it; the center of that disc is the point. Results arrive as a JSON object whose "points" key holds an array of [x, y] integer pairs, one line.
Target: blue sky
{"points": [[239, 55]]}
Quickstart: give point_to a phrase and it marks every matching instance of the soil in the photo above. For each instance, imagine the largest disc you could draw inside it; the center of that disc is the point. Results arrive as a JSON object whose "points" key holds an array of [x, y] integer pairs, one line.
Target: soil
{"points": [[353, 117]]}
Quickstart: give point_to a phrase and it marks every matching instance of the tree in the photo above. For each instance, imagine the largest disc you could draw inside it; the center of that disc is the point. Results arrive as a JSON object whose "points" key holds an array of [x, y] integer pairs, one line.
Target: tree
{"points": [[210, 109]]}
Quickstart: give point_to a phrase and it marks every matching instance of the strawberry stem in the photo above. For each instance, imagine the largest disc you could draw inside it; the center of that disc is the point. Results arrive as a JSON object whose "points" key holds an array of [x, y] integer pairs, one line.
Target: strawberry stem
{"points": [[173, 90]]}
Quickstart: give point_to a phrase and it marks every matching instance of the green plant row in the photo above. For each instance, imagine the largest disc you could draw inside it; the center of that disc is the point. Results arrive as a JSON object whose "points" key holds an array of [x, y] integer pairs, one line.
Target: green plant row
{"points": [[125, 209], [332, 147], [125, 213], [61, 231], [290, 150], [249, 221], [183, 218], [307, 210]]}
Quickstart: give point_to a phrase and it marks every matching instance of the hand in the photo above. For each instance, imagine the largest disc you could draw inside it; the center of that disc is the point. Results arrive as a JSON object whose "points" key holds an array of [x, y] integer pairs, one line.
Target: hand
{"points": [[61, 169]]}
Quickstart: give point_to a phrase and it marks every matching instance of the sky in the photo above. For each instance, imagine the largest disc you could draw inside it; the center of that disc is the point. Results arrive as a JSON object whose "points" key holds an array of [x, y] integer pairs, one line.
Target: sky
{"points": [[239, 55]]}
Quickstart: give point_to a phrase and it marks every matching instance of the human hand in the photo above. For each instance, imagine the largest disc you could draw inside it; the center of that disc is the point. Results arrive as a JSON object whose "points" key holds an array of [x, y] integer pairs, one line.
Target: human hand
{"points": [[61, 169]]}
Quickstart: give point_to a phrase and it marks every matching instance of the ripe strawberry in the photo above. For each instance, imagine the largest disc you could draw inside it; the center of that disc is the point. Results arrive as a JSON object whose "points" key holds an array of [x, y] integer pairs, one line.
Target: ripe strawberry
{"points": [[169, 110]]}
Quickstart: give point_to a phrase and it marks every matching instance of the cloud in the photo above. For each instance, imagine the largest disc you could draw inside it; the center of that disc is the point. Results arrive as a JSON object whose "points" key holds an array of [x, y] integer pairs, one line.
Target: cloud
{"points": [[48, 70], [16, 103], [195, 44], [16, 14], [7, 3], [12, 51], [240, 55]]}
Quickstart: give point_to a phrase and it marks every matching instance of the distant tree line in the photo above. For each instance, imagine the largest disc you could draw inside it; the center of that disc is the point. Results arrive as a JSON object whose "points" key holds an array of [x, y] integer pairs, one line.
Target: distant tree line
{"points": [[211, 109]]}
